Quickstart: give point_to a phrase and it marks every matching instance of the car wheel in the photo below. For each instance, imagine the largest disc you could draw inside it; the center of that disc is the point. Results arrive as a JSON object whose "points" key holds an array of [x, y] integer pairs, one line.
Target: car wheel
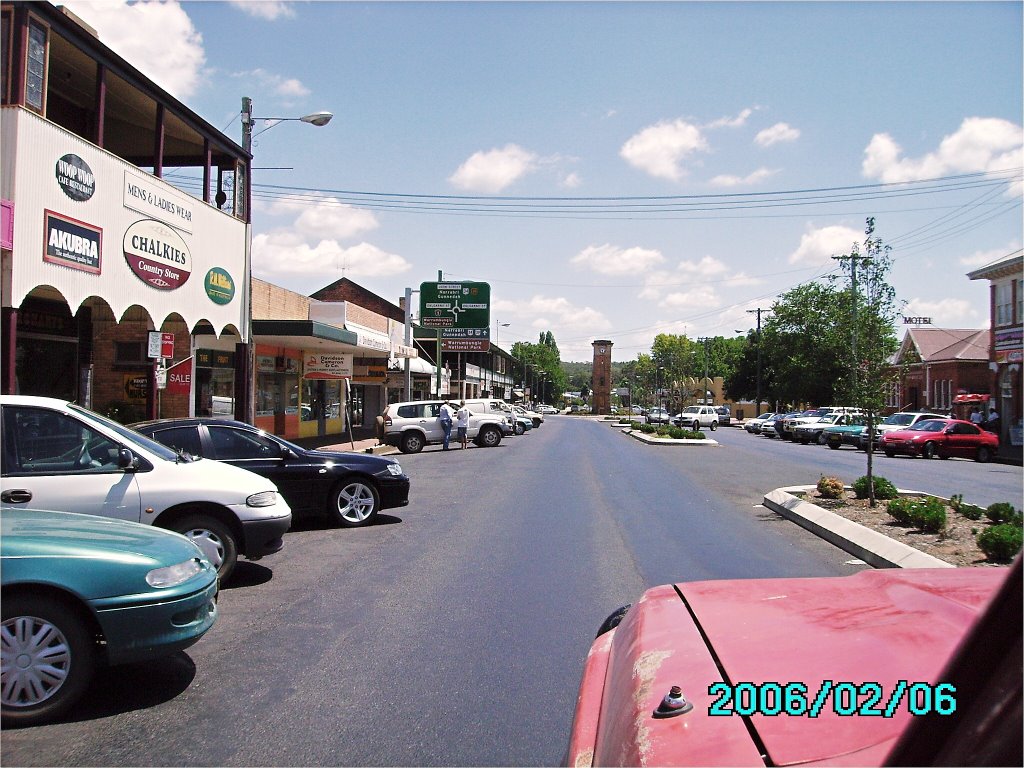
{"points": [[983, 455], [354, 503], [822, 439], [214, 538], [489, 437], [48, 658], [520, 429], [928, 451], [714, 425], [696, 426], [412, 442], [888, 452], [834, 444]]}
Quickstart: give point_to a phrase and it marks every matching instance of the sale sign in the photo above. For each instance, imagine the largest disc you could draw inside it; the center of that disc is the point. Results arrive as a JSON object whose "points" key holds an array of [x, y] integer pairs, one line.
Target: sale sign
{"points": [[179, 378]]}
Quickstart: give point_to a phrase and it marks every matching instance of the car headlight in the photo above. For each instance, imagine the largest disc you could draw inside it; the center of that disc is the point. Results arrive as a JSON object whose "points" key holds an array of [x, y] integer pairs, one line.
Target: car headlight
{"points": [[173, 575], [263, 499], [395, 469]]}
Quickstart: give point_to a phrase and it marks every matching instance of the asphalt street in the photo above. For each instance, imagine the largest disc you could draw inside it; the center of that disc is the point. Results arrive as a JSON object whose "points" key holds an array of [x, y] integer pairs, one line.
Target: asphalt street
{"points": [[453, 632]]}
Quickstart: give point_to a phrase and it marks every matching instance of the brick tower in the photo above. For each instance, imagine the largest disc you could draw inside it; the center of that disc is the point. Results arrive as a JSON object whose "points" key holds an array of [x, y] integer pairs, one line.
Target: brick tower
{"points": [[601, 384]]}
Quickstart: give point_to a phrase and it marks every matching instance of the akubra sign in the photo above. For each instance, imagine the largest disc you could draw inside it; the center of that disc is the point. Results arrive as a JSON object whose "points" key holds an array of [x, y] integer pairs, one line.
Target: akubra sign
{"points": [[157, 255]]}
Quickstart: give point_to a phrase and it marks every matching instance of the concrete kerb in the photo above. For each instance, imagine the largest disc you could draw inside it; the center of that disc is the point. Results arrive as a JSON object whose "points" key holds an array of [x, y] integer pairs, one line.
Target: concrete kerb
{"points": [[872, 547], [636, 434]]}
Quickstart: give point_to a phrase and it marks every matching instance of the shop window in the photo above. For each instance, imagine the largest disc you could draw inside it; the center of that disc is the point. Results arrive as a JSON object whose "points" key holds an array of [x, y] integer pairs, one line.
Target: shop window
{"points": [[5, 51], [130, 353]]}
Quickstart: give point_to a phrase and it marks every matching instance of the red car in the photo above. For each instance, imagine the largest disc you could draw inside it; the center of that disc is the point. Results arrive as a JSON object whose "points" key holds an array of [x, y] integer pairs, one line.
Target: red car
{"points": [[884, 665], [942, 438]]}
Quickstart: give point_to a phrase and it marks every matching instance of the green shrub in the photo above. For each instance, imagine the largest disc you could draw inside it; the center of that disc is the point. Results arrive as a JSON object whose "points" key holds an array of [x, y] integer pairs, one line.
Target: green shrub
{"points": [[831, 487], [925, 514], [971, 511], [1003, 512], [647, 429], [899, 510], [1001, 543], [883, 488], [929, 515]]}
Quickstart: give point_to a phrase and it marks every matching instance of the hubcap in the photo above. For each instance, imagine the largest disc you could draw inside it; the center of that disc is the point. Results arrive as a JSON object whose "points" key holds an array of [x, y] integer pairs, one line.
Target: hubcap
{"points": [[355, 502], [35, 659], [209, 543]]}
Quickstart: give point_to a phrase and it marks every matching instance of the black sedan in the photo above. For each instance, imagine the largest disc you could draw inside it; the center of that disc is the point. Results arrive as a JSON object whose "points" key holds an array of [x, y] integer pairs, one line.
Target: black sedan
{"points": [[350, 488]]}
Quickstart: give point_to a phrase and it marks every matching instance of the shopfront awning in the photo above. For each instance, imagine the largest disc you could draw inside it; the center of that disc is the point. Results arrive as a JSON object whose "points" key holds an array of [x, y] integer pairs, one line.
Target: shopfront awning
{"points": [[973, 398], [304, 334]]}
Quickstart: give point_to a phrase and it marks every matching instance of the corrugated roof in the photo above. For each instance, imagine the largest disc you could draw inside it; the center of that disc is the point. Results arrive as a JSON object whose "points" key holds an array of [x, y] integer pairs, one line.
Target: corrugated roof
{"points": [[937, 344]]}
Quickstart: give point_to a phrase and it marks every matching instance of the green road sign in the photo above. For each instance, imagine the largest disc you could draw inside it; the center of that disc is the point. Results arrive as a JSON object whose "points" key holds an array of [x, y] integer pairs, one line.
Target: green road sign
{"points": [[461, 310]]}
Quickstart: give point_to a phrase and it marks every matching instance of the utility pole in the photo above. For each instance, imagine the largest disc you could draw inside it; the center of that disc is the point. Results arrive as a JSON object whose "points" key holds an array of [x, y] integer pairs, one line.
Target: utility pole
{"points": [[704, 385], [759, 310]]}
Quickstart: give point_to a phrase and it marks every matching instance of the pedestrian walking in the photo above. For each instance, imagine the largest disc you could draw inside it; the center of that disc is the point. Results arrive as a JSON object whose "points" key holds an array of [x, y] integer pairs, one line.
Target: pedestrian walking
{"points": [[462, 422], [446, 416], [992, 421]]}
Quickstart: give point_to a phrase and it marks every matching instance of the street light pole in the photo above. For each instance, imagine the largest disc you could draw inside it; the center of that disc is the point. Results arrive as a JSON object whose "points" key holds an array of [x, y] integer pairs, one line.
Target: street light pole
{"points": [[758, 311], [247, 391], [704, 385]]}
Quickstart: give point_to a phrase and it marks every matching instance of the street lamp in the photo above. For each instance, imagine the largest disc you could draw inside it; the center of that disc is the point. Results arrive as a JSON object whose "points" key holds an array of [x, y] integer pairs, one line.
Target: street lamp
{"points": [[247, 410]]}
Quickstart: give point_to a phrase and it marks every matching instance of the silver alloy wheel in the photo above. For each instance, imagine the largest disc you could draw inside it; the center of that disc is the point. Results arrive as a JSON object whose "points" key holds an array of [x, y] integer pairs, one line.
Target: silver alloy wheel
{"points": [[356, 502], [209, 542], [36, 660]]}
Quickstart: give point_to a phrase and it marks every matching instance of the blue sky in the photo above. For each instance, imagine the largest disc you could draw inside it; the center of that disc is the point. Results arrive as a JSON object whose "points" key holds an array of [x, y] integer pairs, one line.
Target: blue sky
{"points": [[512, 143]]}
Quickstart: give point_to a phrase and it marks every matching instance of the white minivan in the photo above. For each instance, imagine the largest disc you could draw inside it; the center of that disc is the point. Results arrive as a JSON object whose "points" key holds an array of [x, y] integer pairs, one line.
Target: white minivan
{"points": [[58, 455]]}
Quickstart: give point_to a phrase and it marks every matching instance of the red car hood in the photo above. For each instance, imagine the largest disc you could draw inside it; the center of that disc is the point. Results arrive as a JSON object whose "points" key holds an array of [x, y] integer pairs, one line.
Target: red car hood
{"points": [[875, 626]]}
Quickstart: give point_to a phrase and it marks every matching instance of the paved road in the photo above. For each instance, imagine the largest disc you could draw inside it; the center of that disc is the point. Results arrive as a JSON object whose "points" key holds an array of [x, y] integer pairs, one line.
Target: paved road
{"points": [[454, 631]]}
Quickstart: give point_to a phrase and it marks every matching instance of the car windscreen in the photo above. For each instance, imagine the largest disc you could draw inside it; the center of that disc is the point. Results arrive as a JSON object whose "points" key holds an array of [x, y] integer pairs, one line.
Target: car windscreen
{"points": [[929, 426], [899, 419], [129, 435]]}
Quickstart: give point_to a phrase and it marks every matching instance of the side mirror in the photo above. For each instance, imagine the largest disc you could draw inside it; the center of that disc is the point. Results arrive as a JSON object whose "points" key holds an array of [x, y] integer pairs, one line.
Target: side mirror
{"points": [[126, 459]]}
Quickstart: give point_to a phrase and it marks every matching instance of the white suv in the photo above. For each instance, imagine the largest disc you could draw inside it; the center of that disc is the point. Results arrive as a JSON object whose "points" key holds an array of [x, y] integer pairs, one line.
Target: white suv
{"points": [[696, 416], [60, 456], [412, 425]]}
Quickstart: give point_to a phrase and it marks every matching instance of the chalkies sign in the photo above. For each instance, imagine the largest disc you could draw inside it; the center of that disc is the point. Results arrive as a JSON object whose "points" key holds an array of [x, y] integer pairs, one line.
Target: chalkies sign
{"points": [[157, 255]]}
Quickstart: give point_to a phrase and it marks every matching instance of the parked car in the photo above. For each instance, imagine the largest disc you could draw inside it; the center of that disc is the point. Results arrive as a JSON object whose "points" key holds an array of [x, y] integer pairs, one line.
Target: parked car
{"points": [[803, 417], [349, 488], [768, 672], [724, 415], [849, 433], [412, 425], [814, 431], [943, 438], [547, 410], [696, 417], [521, 423], [58, 455], [753, 424], [895, 421], [767, 427], [79, 591], [536, 417], [779, 424], [657, 416]]}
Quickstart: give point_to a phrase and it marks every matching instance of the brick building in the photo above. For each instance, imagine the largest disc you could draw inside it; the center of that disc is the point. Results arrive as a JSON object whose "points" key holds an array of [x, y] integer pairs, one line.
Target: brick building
{"points": [[936, 364]]}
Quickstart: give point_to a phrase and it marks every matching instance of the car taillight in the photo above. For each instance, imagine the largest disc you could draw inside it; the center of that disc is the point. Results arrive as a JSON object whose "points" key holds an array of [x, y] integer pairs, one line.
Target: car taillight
{"points": [[387, 420]]}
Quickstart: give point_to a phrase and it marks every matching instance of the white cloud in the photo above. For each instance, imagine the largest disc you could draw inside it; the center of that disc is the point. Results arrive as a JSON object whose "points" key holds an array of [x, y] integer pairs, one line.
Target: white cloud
{"points": [[980, 144], [278, 85], [493, 171], [325, 218], [283, 257], [947, 313], [611, 260], [661, 149], [818, 246], [270, 10], [732, 122], [982, 258], [176, 63], [708, 268], [571, 181], [777, 133], [736, 181], [700, 297]]}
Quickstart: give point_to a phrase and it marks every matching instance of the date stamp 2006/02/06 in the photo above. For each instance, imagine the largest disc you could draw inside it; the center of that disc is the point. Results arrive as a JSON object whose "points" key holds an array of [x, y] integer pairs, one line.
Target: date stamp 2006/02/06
{"points": [[847, 699]]}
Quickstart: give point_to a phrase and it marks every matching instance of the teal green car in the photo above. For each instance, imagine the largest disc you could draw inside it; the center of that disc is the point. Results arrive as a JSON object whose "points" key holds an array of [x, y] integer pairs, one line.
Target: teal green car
{"points": [[845, 434], [80, 591]]}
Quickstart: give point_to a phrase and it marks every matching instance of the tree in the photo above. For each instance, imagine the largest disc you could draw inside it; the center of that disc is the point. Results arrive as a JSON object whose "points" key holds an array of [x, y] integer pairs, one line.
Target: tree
{"points": [[872, 310]]}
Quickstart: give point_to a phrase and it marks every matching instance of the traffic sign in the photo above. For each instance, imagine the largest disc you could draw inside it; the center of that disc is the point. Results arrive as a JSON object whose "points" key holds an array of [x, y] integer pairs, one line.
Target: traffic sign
{"points": [[161, 344], [462, 310]]}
